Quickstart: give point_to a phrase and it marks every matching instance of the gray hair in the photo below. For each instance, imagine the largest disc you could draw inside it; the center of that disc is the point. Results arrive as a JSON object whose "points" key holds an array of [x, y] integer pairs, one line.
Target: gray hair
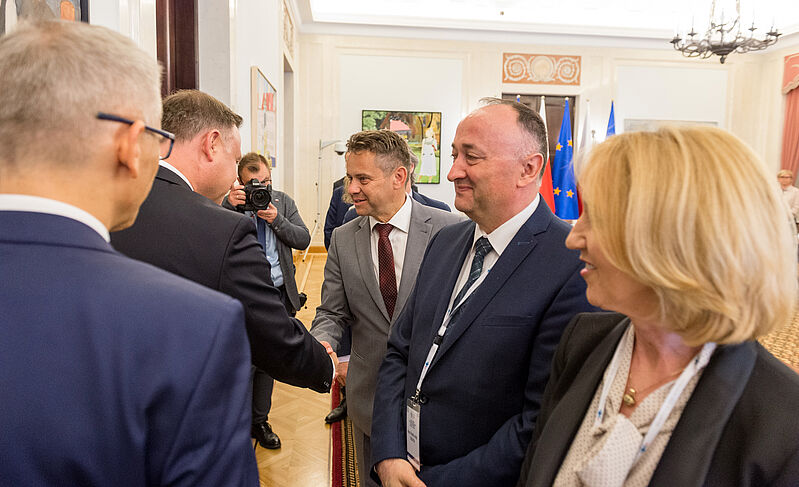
{"points": [[531, 124], [55, 76]]}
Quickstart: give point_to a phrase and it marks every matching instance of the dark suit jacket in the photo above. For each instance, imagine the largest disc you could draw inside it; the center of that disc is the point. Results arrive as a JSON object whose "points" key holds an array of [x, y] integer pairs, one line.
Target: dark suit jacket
{"points": [[427, 201], [738, 428], [484, 386], [114, 372], [351, 214], [291, 233], [187, 234], [336, 211]]}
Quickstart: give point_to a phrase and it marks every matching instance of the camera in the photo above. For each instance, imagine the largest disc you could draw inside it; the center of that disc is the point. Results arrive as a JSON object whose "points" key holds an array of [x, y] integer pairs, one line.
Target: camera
{"points": [[340, 148], [257, 196]]}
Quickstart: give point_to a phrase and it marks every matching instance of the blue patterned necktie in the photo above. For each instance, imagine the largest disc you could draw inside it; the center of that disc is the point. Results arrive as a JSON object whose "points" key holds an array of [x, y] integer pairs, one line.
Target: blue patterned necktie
{"points": [[481, 248]]}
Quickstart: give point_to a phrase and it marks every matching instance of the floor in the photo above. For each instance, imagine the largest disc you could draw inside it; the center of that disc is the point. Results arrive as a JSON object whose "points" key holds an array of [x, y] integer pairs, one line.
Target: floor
{"points": [[298, 414]]}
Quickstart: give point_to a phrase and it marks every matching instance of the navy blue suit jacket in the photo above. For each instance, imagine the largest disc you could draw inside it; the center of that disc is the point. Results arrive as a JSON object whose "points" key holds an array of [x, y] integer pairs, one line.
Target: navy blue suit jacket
{"points": [[483, 389], [336, 211], [113, 372]]}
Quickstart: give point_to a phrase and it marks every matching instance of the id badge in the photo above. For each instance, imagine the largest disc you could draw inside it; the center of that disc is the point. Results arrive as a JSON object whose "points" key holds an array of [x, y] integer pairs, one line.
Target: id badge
{"points": [[412, 432]]}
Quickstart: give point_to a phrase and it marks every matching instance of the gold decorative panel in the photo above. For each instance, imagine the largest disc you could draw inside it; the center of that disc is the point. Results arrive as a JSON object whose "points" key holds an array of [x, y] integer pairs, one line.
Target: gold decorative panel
{"points": [[540, 69]]}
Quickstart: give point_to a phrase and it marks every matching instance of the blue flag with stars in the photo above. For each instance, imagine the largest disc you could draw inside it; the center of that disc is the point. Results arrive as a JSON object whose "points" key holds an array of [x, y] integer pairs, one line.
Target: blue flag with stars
{"points": [[611, 122], [563, 186]]}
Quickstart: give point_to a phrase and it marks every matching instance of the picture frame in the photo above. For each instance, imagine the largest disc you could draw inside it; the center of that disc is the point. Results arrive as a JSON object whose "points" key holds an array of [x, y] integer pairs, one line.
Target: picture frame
{"points": [[76, 10], [263, 116], [422, 131]]}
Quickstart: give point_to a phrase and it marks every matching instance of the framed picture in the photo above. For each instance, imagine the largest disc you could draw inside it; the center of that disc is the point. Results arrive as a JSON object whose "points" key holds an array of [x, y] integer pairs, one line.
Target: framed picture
{"points": [[264, 116], [422, 131], [13, 10]]}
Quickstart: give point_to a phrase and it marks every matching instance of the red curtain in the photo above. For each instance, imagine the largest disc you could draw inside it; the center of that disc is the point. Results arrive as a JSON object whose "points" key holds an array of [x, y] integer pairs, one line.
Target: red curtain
{"points": [[790, 134]]}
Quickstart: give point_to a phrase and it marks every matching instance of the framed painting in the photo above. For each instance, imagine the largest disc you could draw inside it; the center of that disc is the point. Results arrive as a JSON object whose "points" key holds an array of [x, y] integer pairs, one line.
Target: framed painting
{"points": [[422, 131], [12, 11], [264, 116]]}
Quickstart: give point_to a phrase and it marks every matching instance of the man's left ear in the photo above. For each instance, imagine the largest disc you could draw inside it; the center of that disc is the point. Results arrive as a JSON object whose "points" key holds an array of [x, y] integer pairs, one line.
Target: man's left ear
{"points": [[128, 150], [401, 176], [531, 168]]}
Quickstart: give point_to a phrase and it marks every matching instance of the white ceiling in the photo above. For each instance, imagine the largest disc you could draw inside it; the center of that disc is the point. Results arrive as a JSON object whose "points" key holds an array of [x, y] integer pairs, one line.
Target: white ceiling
{"points": [[635, 23]]}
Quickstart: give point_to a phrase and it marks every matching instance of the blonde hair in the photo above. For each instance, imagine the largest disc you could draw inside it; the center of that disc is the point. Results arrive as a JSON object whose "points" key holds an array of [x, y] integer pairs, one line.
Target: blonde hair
{"points": [[785, 172], [692, 213]]}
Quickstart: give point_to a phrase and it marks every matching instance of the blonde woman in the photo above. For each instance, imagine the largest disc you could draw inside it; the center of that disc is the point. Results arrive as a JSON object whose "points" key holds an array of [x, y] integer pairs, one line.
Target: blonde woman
{"points": [[684, 236]]}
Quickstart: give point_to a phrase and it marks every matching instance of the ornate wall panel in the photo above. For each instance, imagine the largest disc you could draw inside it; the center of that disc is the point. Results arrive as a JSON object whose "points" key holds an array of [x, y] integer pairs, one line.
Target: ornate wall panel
{"points": [[540, 69]]}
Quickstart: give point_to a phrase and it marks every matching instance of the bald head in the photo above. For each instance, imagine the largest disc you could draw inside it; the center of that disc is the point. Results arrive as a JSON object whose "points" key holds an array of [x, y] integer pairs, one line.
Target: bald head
{"points": [[496, 165]]}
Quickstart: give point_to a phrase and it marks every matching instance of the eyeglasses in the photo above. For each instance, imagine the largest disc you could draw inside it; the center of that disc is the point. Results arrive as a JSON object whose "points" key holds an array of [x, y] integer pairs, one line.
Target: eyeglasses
{"points": [[166, 139]]}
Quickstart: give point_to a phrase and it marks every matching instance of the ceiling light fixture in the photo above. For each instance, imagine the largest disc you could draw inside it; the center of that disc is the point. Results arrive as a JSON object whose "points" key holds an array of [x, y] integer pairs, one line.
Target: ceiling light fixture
{"points": [[723, 37]]}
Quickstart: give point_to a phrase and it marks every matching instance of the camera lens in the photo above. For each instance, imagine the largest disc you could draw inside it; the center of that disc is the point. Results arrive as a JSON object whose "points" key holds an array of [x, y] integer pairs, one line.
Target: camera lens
{"points": [[260, 198]]}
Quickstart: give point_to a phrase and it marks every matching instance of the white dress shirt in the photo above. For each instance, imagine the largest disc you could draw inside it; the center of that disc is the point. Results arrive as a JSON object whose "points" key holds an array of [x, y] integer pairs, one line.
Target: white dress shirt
{"points": [[172, 168], [36, 204], [401, 221], [499, 239]]}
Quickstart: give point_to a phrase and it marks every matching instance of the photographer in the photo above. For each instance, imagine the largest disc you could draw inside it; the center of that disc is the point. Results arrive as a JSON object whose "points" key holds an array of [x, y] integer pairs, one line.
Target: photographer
{"points": [[280, 229]]}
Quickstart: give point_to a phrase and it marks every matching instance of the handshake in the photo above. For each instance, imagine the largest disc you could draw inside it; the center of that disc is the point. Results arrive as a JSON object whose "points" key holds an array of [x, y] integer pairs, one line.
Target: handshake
{"points": [[340, 373]]}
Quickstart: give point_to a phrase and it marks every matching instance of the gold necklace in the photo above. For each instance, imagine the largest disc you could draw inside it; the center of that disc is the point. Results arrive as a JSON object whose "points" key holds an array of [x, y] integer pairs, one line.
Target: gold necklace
{"points": [[629, 397]]}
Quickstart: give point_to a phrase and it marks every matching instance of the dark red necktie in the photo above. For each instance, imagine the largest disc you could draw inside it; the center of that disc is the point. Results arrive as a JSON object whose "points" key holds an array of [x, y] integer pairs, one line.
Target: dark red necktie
{"points": [[385, 261]]}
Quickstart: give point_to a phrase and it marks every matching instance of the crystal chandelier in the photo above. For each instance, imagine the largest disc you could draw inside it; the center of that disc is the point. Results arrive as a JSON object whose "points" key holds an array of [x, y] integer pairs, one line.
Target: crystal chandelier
{"points": [[723, 37]]}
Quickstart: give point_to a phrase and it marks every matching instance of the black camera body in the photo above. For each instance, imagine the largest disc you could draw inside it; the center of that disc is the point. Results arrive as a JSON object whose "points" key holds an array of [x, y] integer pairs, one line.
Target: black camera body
{"points": [[257, 196]]}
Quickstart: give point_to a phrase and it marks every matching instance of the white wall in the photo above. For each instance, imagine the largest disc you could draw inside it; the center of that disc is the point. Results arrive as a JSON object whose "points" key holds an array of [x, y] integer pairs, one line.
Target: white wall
{"points": [[235, 35], [341, 75], [133, 18], [403, 83], [670, 93]]}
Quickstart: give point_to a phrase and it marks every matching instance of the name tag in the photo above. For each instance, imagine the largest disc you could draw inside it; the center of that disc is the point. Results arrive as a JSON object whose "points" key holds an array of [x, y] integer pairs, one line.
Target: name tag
{"points": [[412, 433]]}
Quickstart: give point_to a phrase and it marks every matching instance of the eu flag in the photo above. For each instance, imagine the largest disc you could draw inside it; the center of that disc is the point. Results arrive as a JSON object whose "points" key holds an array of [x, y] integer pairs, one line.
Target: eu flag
{"points": [[563, 185], [611, 122]]}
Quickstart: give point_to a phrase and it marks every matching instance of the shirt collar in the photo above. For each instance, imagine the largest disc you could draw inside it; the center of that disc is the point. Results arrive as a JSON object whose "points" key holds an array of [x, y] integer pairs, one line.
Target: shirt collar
{"points": [[172, 168], [401, 219], [36, 204], [501, 236]]}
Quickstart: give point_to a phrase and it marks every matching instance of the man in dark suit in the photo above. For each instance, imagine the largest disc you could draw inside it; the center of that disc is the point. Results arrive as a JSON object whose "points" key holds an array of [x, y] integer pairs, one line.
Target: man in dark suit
{"points": [[336, 211], [183, 229], [280, 229], [470, 354], [357, 294], [113, 372]]}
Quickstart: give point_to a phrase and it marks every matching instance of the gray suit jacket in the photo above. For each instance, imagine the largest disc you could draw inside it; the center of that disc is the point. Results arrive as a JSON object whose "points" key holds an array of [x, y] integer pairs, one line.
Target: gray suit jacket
{"points": [[291, 233], [351, 297]]}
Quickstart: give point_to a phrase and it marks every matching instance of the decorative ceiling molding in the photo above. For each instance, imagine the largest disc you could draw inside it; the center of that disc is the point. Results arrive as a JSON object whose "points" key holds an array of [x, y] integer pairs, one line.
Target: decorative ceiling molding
{"points": [[288, 29], [790, 78], [542, 69]]}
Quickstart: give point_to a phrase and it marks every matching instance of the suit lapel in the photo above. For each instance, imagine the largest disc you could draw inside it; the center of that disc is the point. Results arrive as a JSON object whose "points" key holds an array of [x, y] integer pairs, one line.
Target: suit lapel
{"points": [[418, 238], [449, 277], [564, 421], [363, 254], [688, 455], [519, 248]]}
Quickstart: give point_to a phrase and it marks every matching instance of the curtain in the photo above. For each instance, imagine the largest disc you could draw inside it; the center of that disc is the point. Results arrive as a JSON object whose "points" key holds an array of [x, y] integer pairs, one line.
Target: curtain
{"points": [[790, 137]]}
